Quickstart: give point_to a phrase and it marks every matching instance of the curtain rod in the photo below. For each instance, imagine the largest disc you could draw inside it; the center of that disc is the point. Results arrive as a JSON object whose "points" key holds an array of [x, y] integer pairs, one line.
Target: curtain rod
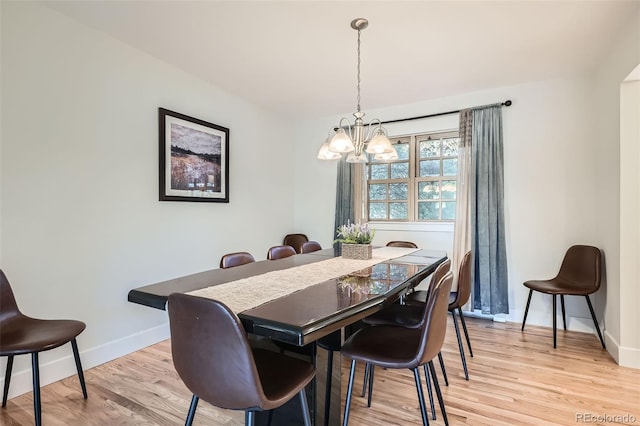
{"points": [[505, 103]]}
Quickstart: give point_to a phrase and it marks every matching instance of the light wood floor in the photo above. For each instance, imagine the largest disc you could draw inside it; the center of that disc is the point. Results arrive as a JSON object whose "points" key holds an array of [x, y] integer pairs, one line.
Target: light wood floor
{"points": [[515, 379]]}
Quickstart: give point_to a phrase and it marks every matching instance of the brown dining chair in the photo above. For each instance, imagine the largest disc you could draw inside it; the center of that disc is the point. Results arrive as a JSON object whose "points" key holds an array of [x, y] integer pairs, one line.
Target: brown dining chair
{"points": [[580, 275], [280, 252], [406, 244], [238, 258], [21, 335], [310, 247], [213, 358], [295, 241], [400, 347]]}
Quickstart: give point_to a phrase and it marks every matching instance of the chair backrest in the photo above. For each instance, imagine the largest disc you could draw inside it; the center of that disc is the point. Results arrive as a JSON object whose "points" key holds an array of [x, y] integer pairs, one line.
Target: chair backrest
{"points": [[465, 272], [230, 260], [440, 271], [407, 244], [8, 306], [211, 353], [310, 246], [280, 252], [581, 267], [434, 324], [295, 241]]}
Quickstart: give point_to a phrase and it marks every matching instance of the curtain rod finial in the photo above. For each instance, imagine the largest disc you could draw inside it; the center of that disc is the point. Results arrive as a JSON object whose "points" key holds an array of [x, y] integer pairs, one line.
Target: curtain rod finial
{"points": [[507, 102]]}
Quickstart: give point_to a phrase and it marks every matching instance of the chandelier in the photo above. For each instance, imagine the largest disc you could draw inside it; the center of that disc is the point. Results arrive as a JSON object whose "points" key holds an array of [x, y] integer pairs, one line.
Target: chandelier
{"points": [[354, 142]]}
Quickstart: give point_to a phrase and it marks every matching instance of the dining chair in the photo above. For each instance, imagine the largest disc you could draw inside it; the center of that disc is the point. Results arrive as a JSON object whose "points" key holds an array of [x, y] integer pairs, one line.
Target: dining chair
{"points": [[406, 244], [295, 241], [280, 252], [580, 275], [394, 347], [21, 335], [457, 300], [310, 247], [238, 258], [214, 359]]}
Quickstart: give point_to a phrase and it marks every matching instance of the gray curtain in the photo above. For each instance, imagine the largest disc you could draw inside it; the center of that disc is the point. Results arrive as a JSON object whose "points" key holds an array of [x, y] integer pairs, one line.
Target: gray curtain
{"points": [[490, 290], [344, 196]]}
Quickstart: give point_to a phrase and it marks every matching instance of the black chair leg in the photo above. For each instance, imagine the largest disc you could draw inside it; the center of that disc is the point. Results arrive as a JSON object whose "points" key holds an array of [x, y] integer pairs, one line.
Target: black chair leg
{"points": [[595, 322], [466, 333], [553, 309], [423, 408], [36, 388], [347, 403], [305, 407], [460, 347], [270, 417], [327, 391], [564, 318], [365, 380], [7, 380], [371, 371], [444, 370], [249, 418], [192, 410], [438, 393], [76, 356], [427, 381], [526, 310]]}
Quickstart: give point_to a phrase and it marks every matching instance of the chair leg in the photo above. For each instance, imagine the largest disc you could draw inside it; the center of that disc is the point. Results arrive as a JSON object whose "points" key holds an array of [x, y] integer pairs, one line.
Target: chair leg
{"points": [[270, 417], [444, 370], [466, 333], [595, 322], [371, 371], [192, 410], [249, 418], [427, 381], [365, 380], [305, 408], [553, 309], [526, 310], [7, 380], [76, 356], [347, 403], [438, 393], [327, 391], [36, 388], [564, 318], [423, 408], [460, 347]]}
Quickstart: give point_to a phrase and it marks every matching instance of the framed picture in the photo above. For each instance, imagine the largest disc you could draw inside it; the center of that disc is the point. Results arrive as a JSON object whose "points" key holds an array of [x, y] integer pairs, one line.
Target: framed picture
{"points": [[194, 159]]}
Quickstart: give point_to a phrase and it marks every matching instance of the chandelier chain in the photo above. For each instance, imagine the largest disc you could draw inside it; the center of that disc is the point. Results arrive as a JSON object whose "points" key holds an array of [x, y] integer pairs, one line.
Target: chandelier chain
{"points": [[358, 108]]}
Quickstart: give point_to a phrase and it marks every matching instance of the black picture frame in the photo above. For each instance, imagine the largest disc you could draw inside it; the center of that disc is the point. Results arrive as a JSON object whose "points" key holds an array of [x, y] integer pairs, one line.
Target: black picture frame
{"points": [[194, 159]]}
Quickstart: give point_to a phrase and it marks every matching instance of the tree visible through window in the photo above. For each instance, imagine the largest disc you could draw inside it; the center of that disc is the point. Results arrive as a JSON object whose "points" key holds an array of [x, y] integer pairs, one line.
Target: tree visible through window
{"points": [[420, 185]]}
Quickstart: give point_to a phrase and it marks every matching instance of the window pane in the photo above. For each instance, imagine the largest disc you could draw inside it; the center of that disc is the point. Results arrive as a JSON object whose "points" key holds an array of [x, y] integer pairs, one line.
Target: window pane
{"points": [[399, 170], [379, 171], [403, 151], [450, 167], [450, 147], [448, 210], [398, 211], [398, 191], [429, 210], [429, 190], [378, 191], [449, 189], [377, 210], [430, 148], [430, 168]]}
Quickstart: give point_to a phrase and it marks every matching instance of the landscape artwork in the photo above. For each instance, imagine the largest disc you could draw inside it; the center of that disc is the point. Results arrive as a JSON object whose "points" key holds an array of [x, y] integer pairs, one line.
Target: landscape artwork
{"points": [[193, 159]]}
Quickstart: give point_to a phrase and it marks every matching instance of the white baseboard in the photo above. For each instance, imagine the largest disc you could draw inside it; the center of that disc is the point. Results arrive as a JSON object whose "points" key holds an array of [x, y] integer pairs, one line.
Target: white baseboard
{"points": [[64, 366], [624, 356]]}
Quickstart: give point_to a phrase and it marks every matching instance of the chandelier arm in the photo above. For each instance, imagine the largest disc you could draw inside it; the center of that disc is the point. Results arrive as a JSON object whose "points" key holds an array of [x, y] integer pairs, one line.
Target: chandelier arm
{"points": [[371, 129], [348, 126]]}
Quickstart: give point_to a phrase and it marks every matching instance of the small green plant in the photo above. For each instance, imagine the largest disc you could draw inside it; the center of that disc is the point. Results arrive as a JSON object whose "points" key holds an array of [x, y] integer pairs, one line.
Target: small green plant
{"points": [[355, 233]]}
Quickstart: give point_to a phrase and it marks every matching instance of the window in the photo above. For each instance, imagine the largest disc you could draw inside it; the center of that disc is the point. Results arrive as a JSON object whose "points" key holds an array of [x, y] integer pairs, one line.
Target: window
{"points": [[420, 185]]}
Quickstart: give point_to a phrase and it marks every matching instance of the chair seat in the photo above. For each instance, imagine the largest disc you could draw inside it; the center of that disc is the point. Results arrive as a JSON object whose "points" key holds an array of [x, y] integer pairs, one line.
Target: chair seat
{"points": [[386, 346], [556, 286], [279, 388], [419, 297], [23, 335], [409, 316]]}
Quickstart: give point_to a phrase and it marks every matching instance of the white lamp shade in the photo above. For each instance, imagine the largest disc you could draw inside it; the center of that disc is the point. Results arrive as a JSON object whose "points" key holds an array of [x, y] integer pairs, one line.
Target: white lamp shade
{"points": [[341, 142], [325, 154], [380, 144], [386, 156]]}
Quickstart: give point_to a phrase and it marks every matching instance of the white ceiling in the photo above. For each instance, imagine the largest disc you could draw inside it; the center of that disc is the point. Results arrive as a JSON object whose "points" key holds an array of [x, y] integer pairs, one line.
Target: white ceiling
{"points": [[299, 57]]}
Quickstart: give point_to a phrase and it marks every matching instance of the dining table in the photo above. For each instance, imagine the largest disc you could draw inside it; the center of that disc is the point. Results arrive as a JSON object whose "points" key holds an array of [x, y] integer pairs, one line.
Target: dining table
{"points": [[297, 303]]}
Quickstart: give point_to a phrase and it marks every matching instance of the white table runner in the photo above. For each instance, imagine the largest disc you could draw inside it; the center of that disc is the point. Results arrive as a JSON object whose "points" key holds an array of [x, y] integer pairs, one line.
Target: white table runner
{"points": [[247, 293]]}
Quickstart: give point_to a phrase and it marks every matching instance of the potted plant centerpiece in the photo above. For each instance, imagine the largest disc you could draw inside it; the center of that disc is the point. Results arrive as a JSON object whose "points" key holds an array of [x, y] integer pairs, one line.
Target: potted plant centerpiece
{"points": [[356, 240]]}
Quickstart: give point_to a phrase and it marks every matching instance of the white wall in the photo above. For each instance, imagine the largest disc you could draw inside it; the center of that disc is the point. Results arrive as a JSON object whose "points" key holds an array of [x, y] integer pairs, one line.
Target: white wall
{"points": [[81, 223], [549, 178]]}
